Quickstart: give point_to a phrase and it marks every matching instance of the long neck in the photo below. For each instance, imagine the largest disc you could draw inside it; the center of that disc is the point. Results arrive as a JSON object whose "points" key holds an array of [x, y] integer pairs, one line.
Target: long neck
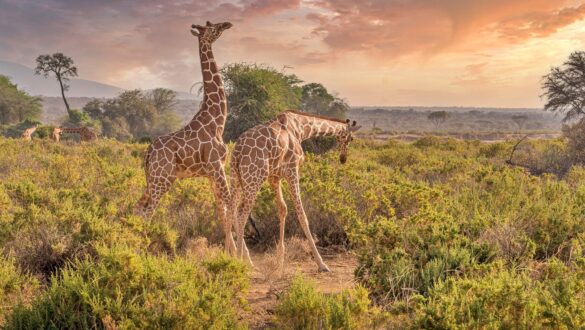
{"points": [[213, 111], [306, 127]]}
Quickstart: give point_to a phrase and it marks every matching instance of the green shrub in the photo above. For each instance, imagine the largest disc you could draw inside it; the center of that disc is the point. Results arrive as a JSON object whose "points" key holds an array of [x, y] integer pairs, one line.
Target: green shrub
{"points": [[504, 299], [16, 288], [128, 290], [303, 307]]}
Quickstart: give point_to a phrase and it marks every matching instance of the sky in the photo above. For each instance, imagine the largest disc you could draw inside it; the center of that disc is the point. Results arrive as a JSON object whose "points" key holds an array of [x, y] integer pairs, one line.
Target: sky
{"points": [[484, 53]]}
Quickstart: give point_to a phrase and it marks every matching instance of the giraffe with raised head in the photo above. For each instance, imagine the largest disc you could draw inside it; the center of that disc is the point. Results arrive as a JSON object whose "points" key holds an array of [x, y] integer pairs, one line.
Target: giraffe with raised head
{"points": [[85, 133], [272, 151], [27, 134], [197, 150]]}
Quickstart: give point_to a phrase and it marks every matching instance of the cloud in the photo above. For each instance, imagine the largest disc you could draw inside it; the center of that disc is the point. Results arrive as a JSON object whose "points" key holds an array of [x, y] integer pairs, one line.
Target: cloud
{"points": [[113, 39], [397, 27]]}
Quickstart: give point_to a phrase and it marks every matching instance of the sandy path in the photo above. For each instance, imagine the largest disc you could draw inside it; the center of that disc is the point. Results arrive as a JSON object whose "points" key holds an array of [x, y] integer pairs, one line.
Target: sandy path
{"points": [[266, 286]]}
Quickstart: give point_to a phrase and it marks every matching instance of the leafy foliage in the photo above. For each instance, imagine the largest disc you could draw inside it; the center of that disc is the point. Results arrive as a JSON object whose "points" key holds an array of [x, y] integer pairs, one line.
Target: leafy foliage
{"points": [[16, 105], [135, 114], [255, 94], [128, 290], [564, 87], [303, 307]]}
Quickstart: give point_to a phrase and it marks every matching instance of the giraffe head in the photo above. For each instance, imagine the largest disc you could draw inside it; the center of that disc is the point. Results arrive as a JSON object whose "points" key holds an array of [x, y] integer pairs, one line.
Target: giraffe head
{"points": [[57, 133], [210, 32], [344, 138]]}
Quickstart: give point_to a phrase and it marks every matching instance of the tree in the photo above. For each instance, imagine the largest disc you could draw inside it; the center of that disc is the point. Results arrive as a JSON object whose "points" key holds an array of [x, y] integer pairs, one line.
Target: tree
{"points": [[62, 67], [255, 94], [316, 99], [519, 120], [135, 114], [564, 87], [164, 100], [16, 105], [438, 118]]}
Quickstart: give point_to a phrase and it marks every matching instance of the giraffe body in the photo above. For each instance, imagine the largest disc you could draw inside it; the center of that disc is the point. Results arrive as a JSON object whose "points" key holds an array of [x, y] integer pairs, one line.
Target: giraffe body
{"points": [[197, 150], [27, 134], [272, 152], [85, 134]]}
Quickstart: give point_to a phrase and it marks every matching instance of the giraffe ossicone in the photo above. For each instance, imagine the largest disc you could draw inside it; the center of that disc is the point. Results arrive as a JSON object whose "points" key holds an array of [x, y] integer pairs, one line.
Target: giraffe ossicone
{"points": [[271, 152], [196, 150]]}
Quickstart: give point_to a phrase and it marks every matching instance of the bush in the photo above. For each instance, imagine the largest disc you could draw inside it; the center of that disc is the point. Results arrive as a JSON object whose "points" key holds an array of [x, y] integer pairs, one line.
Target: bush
{"points": [[16, 288], [128, 290], [303, 307], [503, 299]]}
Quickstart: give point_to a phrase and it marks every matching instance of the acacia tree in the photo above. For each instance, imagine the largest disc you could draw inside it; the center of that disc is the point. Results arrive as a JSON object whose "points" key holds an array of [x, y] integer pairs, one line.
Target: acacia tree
{"points": [[520, 120], [438, 118], [62, 67], [564, 87]]}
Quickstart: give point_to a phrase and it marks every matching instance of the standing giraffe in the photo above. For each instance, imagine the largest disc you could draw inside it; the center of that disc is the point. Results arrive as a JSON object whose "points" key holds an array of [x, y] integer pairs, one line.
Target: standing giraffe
{"points": [[196, 150], [272, 151], [27, 134], [85, 134]]}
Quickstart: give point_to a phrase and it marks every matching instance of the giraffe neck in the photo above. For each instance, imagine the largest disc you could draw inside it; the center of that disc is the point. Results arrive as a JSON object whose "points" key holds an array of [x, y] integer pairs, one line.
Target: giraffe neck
{"points": [[306, 126], [213, 111]]}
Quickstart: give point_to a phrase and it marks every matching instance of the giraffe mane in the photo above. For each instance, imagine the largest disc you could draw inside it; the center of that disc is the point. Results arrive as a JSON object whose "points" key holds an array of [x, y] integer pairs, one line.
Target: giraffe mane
{"points": [[306, 114]]}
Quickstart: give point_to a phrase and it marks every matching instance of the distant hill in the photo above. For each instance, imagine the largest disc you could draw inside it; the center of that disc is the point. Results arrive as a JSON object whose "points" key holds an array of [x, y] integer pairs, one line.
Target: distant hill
{"points": [[25, 78]]}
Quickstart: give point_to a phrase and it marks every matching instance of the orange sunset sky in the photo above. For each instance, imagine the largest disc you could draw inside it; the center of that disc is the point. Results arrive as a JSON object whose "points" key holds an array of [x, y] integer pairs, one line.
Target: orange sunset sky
{"points": [[394, 52]]}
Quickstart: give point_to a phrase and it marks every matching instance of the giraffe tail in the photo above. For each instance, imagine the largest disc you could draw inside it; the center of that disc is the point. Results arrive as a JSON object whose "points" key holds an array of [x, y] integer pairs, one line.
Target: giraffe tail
{"points": [[145, 199]]}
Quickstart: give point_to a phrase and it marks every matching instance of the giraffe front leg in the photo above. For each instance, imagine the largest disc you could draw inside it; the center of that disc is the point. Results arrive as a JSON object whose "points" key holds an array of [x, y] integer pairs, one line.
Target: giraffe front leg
{"points": [[293, 181], [222, 199], [282, 209]]}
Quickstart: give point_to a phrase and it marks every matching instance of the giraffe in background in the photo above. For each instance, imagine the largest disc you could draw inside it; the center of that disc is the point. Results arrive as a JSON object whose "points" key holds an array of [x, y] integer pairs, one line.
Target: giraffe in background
{"points": [[272, 151], [197, 150], [27, 134], [85, 134]]}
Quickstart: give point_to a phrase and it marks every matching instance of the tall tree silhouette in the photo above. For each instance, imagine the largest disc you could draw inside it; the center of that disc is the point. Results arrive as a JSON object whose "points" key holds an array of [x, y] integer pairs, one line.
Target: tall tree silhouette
{"points": [[62, 67]]}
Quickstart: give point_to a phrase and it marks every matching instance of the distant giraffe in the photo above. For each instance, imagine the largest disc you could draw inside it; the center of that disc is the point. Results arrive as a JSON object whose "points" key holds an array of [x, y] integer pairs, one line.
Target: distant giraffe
{"points": [[196, 150], [27, 134], [85, 134], [272, 151]]}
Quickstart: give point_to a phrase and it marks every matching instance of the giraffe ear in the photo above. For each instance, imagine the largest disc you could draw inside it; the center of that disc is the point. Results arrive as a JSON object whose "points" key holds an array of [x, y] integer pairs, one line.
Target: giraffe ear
{"points": [[347, 121], [282, 119]]}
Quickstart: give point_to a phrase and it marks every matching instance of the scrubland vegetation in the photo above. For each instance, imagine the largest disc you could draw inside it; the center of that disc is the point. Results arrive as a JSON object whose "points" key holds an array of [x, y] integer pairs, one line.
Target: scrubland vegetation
{"points": [[447, 235]]}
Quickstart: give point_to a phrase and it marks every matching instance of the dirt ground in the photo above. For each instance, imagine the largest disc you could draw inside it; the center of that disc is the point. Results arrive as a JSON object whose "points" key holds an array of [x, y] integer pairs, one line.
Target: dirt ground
{"points": [[266, 285]]}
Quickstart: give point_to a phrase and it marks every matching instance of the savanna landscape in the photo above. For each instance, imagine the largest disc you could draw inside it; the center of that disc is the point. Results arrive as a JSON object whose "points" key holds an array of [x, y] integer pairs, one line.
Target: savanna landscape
{"points": [[234, 182]]}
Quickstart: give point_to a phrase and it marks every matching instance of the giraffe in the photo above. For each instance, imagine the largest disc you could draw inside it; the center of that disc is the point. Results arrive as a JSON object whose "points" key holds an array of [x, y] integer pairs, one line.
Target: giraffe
{"points": [[27, 134], [85, 134], [196, 150], [272, 151]]}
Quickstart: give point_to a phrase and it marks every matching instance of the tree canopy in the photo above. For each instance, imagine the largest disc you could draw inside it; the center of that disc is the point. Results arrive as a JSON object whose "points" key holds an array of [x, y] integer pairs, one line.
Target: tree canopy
{"points": [[316, 99], [135, 114], [16, 105], [62, 67], [255, 94], [564, 87], [438, 117]]}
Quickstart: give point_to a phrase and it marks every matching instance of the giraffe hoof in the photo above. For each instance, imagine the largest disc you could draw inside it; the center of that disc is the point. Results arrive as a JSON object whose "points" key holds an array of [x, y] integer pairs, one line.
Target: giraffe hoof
{"points": [[324, 269]]}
